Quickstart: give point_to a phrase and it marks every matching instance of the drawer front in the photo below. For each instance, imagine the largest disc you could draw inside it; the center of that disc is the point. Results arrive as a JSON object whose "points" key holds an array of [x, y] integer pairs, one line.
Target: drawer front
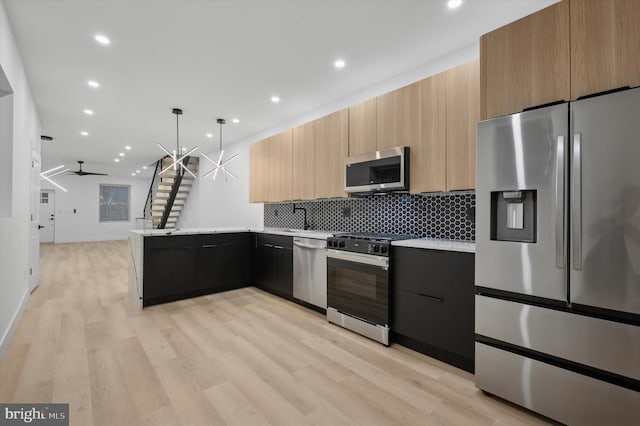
{"points": [[560, 394], [607, 345], [433, 271], [169, 241], [275, 240], [223, 239], [434, 321]]}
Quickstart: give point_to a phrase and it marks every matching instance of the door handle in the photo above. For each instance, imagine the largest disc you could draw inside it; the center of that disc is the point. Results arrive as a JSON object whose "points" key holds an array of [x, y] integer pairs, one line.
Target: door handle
{"points": [[429, 297], [560, 181], [576, 201], [40, 227], [299, 244]]}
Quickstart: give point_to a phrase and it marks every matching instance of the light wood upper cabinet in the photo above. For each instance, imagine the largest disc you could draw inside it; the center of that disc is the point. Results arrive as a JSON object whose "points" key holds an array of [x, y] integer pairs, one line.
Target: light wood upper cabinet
{"points": [[331, 148], [428, 157], [363, 128], [270, 168], [463, 114], [398, 117], [253, 175], [260, 176], [304, 162], [526, 63], [605, 45], [280, 151]]}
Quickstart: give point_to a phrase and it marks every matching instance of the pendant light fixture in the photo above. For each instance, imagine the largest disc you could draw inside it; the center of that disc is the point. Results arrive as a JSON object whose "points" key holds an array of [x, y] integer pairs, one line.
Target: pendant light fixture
{"points": [[175, 155], [220, 164]]}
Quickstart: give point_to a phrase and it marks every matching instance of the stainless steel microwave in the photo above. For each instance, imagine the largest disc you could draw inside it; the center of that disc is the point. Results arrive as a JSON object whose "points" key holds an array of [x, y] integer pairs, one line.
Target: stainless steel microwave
{"points": [[379, 171]]}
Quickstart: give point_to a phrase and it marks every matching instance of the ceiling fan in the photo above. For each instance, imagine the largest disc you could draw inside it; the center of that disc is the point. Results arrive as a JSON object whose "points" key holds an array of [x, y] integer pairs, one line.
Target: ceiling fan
{"points": [[81, 172]]}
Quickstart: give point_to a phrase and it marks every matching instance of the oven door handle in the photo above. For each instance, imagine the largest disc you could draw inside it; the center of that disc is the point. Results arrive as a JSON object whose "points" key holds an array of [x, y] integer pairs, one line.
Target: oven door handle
{"points": [[367, 259]]}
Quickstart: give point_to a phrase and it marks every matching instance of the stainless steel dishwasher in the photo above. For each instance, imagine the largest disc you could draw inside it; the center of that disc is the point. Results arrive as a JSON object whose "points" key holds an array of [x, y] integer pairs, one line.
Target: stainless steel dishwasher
{"points": [[310, 271]]}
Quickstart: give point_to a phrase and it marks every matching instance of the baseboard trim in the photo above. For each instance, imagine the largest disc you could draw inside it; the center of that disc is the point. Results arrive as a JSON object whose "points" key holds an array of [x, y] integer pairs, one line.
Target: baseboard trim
{"points": [[5, 341]]}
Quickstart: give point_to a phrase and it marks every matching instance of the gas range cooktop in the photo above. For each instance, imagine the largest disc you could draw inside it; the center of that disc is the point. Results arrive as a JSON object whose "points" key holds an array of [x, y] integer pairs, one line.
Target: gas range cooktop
{"points": [[366, 242]]}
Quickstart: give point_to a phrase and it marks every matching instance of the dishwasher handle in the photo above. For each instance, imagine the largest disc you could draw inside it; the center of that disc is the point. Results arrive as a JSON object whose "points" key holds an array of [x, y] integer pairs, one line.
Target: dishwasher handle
{"points": [[309, 246]]}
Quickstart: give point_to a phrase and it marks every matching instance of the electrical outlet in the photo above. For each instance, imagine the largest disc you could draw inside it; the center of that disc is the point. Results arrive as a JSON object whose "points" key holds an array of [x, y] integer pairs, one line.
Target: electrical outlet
{"points": [[346, 211], [275, 212]]}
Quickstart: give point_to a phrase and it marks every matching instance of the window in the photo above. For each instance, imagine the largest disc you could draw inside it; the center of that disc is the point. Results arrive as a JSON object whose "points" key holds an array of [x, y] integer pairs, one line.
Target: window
{"points": [[114, 203], [44, 197]]}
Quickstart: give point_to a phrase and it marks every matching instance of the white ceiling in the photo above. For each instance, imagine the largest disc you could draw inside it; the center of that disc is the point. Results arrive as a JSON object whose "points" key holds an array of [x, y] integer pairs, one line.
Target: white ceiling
{"points": [[220, 59]]}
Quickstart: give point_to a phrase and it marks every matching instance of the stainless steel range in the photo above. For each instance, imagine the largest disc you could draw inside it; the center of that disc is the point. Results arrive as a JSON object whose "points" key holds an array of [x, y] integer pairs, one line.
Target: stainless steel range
{"points": [[358, 282]]}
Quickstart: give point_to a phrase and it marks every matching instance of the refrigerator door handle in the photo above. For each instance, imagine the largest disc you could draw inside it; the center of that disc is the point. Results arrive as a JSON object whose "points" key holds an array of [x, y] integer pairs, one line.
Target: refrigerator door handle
{"points": [[576, 202], [560, 185]]}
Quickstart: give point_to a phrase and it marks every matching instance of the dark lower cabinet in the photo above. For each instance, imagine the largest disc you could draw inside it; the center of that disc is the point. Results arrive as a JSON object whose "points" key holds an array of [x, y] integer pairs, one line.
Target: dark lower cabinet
{"points": [[433, 303], [273, 264], [183, 266], [223, 261]]}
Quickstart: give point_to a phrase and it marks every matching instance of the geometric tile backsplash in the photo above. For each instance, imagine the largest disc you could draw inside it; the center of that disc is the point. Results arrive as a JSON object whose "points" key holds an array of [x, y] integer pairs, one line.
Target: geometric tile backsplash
{"points": [[446, 215]]}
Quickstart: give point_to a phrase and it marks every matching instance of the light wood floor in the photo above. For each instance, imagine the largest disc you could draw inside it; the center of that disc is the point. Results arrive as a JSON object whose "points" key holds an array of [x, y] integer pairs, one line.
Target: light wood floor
{"points": [[243, 357]]}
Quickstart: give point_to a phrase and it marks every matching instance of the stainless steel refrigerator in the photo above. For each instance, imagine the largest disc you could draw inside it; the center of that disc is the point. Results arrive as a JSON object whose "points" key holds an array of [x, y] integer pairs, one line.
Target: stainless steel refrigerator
{"points": [[558, 259]]}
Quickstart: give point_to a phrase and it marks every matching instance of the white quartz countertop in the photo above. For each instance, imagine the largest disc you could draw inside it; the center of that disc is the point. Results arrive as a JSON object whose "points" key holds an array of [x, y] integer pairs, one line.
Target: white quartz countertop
{"points": [[321, 235], [187, 231], [433, 244]]}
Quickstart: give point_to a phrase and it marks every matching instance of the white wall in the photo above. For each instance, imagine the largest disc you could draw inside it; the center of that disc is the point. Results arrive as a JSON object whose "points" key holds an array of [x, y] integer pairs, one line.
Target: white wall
{"points": [[219, 203], [14, 230], [82, 195]]}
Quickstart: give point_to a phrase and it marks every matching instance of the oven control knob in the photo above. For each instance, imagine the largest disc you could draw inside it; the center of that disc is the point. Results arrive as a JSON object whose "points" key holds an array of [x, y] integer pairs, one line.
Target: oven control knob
{"points": [[383, 249], [376, 248], [341, 244], [331, 243]]}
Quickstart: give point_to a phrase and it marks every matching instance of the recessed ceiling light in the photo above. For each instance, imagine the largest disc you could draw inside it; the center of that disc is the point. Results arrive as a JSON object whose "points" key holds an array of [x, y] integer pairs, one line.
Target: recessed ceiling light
{"points": [[235, 120], [452, 4], [137, 171], [144, 167], [209, 135], [339, 63], [128, 148], [102, 39], [88, 111], [133, 174], [84, 133], [93, 83], [184, 148], [121, 154], [117, 160], [275, 99]]}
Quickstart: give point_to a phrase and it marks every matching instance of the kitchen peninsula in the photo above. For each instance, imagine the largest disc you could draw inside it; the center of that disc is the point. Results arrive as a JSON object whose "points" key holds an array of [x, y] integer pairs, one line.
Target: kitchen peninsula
{"points": [[167, 265]]}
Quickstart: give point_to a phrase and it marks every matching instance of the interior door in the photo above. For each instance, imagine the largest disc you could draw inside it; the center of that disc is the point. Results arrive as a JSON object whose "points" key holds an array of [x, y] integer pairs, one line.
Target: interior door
{"points": [[605, 198], [34, 225], [47, 215]]}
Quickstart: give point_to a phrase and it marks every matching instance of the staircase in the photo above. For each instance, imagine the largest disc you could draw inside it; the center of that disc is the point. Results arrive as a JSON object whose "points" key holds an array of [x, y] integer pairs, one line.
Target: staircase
{"points": [[168, 192]]}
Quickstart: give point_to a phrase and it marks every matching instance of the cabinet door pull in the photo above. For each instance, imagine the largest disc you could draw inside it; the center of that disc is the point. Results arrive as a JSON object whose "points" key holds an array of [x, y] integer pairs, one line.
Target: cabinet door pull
{"points": [[434, 298], [278, 247], [268, 245], [209, 245]]}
